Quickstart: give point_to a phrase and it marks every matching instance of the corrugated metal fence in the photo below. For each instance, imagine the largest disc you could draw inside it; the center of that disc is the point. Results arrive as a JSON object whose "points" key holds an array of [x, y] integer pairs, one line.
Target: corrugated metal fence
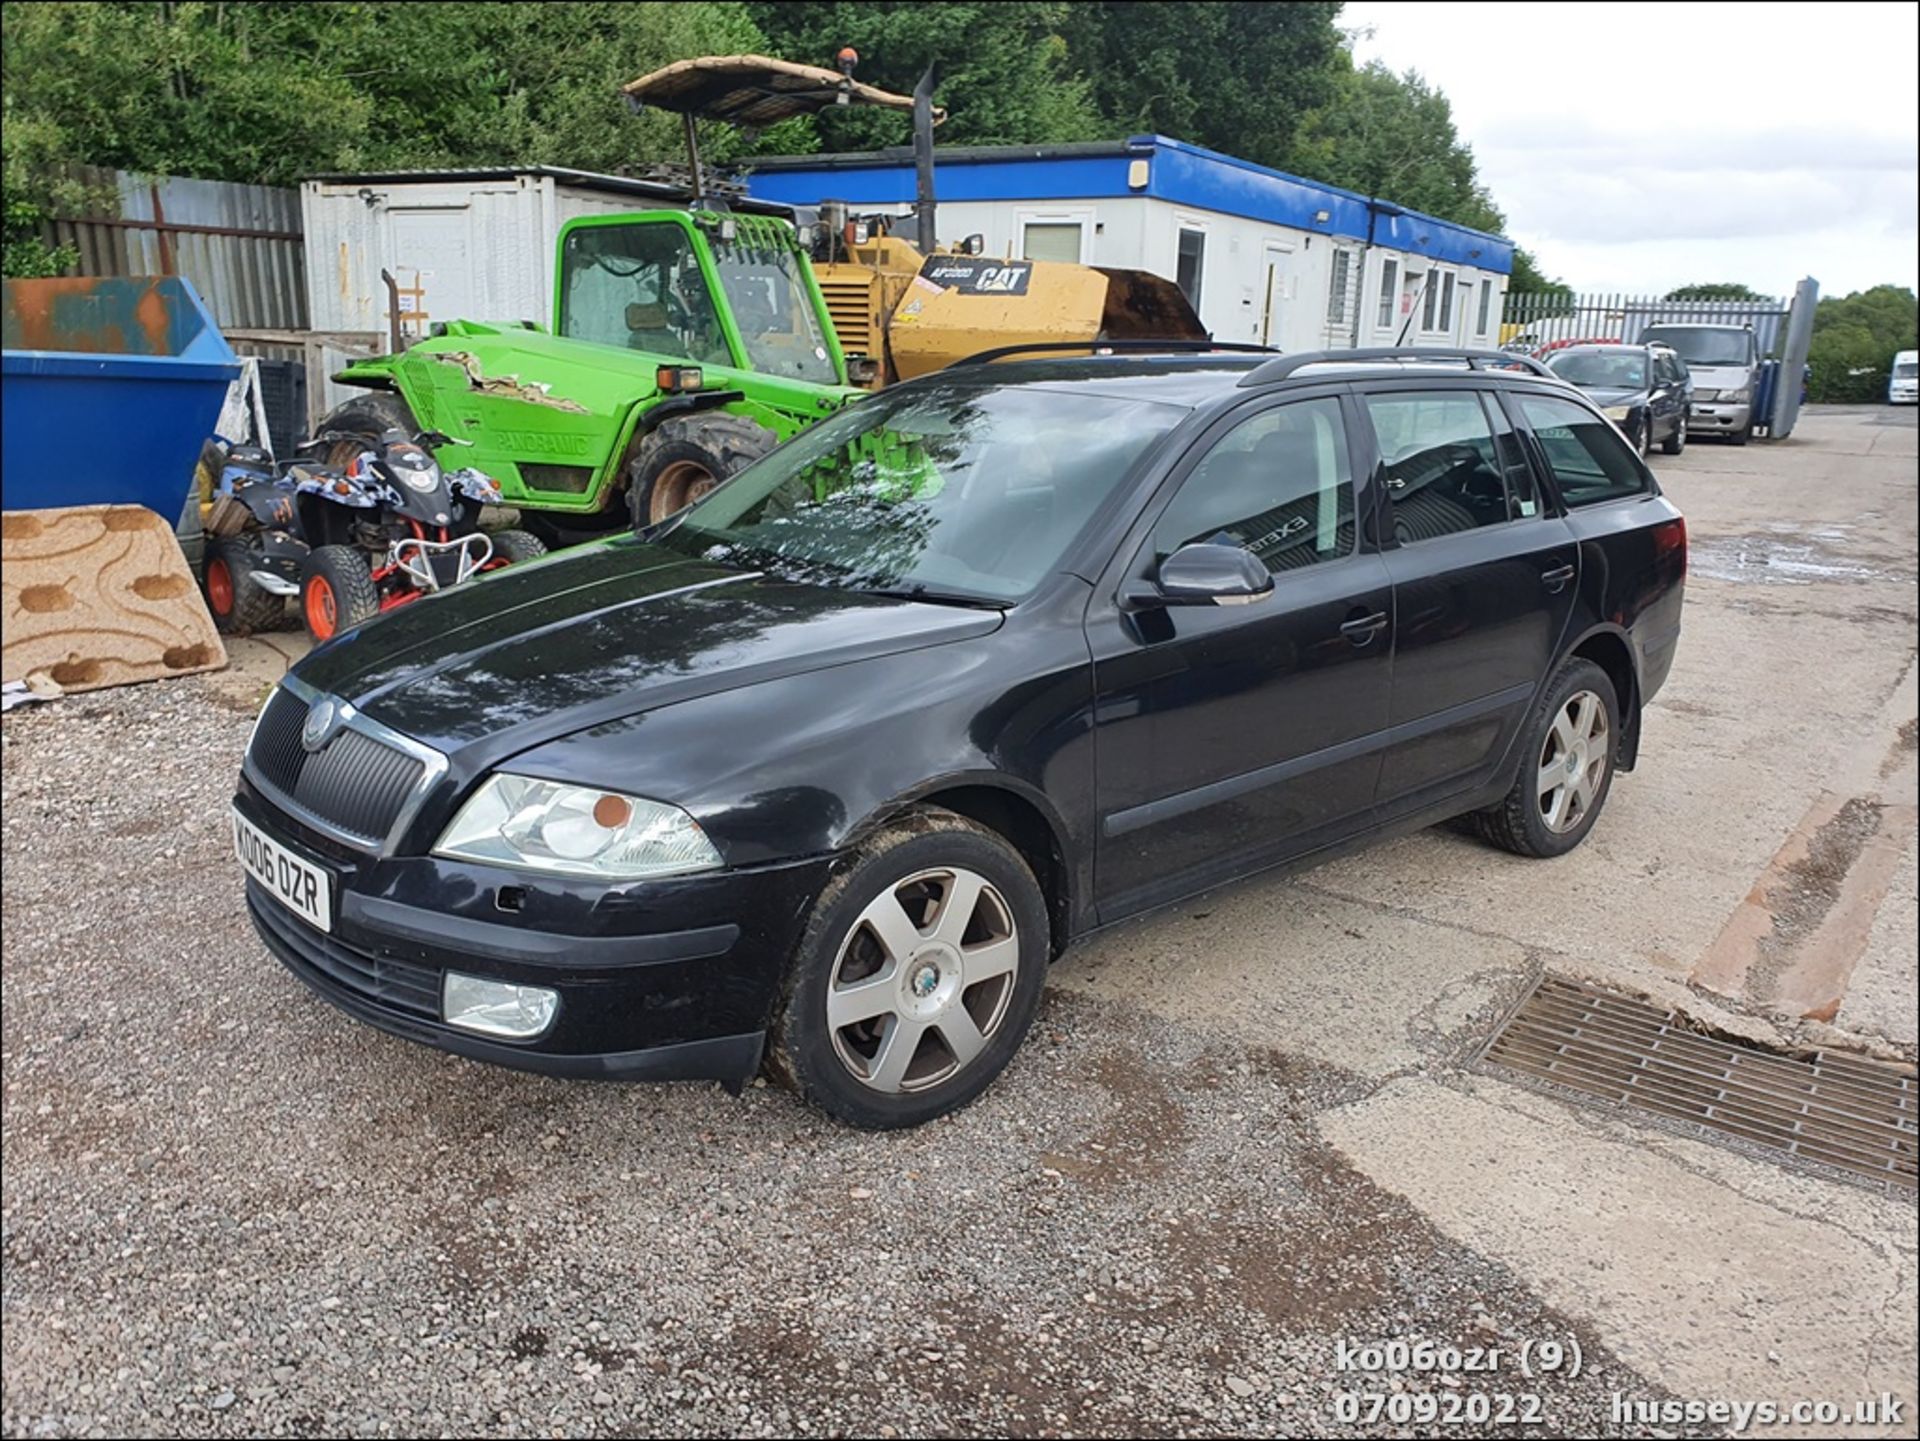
{"points": [[239, 245]]}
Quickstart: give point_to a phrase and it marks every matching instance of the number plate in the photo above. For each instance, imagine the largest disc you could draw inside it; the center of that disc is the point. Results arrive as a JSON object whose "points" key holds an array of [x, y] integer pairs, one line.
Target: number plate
{"points": [[300, 886]]}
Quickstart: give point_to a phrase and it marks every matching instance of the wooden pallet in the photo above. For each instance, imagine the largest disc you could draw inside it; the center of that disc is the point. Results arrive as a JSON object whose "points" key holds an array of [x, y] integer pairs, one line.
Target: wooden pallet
{"points": [[99, 595]]}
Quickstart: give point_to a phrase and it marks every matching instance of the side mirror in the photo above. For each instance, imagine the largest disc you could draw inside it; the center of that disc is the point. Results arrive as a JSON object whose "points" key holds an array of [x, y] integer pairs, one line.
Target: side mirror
{"points": [[975, 244], [1203, 575]]}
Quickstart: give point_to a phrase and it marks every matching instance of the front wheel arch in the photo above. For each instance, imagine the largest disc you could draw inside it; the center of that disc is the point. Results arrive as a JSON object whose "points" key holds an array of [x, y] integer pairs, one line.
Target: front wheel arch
{"points": [[1024, 821]]}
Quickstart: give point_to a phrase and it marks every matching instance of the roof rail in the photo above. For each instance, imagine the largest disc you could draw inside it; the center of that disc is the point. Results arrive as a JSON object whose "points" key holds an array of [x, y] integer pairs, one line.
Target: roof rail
{"points": [[1286, 365], [1112, 347]]}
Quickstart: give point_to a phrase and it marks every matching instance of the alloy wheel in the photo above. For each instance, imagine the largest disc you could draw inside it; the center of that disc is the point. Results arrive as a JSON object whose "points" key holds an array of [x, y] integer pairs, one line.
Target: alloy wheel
{"points": [[1574, 761], [922, 980]]}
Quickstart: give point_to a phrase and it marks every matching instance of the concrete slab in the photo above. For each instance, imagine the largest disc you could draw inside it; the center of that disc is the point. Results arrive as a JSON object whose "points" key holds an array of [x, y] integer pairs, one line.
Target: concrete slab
{"points": [[1282, 965], [1711, 1274]]}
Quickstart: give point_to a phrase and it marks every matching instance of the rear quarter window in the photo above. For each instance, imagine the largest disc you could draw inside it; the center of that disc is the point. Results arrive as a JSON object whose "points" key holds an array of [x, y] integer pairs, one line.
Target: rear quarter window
{"points": [[1589, 461]]}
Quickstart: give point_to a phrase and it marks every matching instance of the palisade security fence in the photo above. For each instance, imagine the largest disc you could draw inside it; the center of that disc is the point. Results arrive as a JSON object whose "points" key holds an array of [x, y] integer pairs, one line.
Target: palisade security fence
{"points": [[1530, 321]]}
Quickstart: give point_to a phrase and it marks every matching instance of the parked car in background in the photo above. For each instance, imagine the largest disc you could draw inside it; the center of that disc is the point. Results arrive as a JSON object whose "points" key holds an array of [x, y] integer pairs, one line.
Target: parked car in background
{"points": [[1644, 389], [826, 769], [1724, 363], [1903, 383]]}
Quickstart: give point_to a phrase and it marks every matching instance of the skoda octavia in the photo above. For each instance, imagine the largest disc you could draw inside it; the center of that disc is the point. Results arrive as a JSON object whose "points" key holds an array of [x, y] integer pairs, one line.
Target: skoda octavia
{"points": [[823, 772]]}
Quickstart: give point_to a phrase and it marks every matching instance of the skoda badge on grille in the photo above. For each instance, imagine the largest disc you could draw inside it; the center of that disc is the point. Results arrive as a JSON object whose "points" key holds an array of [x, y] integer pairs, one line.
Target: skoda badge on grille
{"points": [[323, 718]]}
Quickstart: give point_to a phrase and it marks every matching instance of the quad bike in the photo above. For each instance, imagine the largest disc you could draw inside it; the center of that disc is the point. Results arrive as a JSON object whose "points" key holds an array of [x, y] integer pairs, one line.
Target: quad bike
{"points": [[386, 525], [253, 550]]}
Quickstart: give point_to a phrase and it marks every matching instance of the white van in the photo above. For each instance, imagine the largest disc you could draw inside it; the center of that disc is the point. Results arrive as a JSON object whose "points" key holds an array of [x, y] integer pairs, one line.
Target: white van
{"points": [[1903, 385]]}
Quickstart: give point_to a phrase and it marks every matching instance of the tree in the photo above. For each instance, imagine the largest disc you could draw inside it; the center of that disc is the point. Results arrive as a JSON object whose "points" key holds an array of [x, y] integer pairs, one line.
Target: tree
{"points": [[1001, 68], [1392, 136], [1719, 290], [1854, 340], [1235, 77], [272, 92]]}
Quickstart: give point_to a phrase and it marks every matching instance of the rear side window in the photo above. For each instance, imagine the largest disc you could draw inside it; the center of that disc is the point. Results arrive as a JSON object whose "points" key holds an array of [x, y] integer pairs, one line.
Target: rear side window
{"points": [[1589, 460], [1439, 462], [1277, 484]]}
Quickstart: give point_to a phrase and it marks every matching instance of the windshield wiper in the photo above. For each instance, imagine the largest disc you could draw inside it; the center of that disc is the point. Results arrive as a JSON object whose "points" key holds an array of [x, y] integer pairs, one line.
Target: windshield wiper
{"points": [[931, 596]]}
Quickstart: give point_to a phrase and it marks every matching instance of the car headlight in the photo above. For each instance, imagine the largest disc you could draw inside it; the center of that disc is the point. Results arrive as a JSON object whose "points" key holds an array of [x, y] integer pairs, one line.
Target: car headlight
{"points": [[571, 830], [1737, 397], [1618, 412], [1705, 393]]}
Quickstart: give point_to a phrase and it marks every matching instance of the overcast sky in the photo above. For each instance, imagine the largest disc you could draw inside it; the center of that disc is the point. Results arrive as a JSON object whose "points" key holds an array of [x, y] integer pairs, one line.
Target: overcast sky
{"points": [[1640, 147]]}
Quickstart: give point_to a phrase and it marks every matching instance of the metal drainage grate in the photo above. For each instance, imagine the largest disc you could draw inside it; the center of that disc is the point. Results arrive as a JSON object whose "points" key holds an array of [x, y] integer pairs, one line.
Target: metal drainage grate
{"points": [[1837, 1110]]}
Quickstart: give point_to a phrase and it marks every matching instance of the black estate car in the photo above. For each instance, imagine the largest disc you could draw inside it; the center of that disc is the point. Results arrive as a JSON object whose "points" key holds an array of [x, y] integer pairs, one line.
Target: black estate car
{"points": [[1644, 389], [824, 771]]}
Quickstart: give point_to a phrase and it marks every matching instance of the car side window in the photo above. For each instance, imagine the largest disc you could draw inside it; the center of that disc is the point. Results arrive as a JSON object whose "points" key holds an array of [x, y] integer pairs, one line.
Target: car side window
{"points": [[1439, 461], [1523, 495], [1278, 484], [1589, 460]]}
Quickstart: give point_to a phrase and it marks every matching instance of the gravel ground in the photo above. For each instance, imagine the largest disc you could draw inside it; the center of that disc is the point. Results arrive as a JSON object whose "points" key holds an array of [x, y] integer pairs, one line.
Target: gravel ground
{"points": [[230, 1210]]}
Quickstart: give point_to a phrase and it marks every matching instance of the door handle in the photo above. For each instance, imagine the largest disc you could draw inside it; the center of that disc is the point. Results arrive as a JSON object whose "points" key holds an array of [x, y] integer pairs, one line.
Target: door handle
{"points": [[1363, 628], [1557, 579]]}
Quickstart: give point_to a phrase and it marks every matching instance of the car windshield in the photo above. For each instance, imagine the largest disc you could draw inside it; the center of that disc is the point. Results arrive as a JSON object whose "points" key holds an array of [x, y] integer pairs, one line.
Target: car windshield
{"points": [[771, 306], [639, 286], [1601, 369], [1906, 370], [955, 493], [1706, 345]]}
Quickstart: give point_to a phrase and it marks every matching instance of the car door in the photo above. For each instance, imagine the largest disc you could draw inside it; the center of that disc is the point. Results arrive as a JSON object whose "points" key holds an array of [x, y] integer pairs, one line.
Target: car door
{"points": [[1484, 578], [1666, 403], [1230, 736]]}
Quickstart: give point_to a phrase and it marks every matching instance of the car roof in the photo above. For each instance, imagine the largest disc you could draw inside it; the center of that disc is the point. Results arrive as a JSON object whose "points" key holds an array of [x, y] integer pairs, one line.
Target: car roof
{"points": [[1193, 379], [1622, 348]]}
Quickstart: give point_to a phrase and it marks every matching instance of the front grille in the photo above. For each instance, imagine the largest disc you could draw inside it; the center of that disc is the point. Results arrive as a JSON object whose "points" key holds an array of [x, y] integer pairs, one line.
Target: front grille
{"points": [[850, 307], [396, 985], [354, 783]]}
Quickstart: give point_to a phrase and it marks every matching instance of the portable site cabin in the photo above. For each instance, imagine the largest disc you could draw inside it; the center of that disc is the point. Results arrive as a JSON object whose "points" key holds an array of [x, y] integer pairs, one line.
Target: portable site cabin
{"points": [[1265, 257]]}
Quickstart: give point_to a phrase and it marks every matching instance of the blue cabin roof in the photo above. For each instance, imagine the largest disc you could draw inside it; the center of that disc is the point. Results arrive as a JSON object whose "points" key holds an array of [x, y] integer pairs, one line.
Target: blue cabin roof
{"points": [[1178, 172]]}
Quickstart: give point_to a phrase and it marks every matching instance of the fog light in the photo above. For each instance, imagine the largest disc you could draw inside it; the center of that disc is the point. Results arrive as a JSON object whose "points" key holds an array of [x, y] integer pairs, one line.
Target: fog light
{"points": [[496, 1008]]}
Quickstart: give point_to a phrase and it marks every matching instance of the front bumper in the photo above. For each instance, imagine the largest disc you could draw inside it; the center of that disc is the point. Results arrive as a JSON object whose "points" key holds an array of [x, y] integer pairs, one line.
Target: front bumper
{"points": [[1903, 394], [666, 980], [1707, 418]]}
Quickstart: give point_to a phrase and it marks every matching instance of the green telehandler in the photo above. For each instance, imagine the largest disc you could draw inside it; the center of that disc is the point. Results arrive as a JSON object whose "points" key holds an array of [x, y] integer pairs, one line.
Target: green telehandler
{"points": [[683, 346]]}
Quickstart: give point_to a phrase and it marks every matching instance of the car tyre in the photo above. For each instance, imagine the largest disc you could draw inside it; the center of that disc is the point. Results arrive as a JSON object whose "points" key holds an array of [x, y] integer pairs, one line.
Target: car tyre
{"points": [[337, 592], [1568, 750], [1676, 442], [917, 976], [1742, 435]]}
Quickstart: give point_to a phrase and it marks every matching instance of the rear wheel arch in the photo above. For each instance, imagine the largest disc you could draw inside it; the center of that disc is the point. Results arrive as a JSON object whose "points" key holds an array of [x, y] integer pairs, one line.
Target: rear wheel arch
{"points": [[1610, 650], [1020, 820]]}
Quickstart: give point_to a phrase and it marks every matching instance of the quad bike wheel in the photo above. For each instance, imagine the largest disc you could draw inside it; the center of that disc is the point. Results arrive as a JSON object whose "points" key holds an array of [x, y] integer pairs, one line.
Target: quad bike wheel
{"points": [[514, 546], [239, 604], [685, 457], [337, 592]]}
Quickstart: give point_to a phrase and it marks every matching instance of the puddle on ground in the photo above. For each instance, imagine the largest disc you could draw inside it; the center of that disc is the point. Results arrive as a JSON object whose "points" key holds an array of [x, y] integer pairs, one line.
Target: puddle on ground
{"points": [[1789, 558]]}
